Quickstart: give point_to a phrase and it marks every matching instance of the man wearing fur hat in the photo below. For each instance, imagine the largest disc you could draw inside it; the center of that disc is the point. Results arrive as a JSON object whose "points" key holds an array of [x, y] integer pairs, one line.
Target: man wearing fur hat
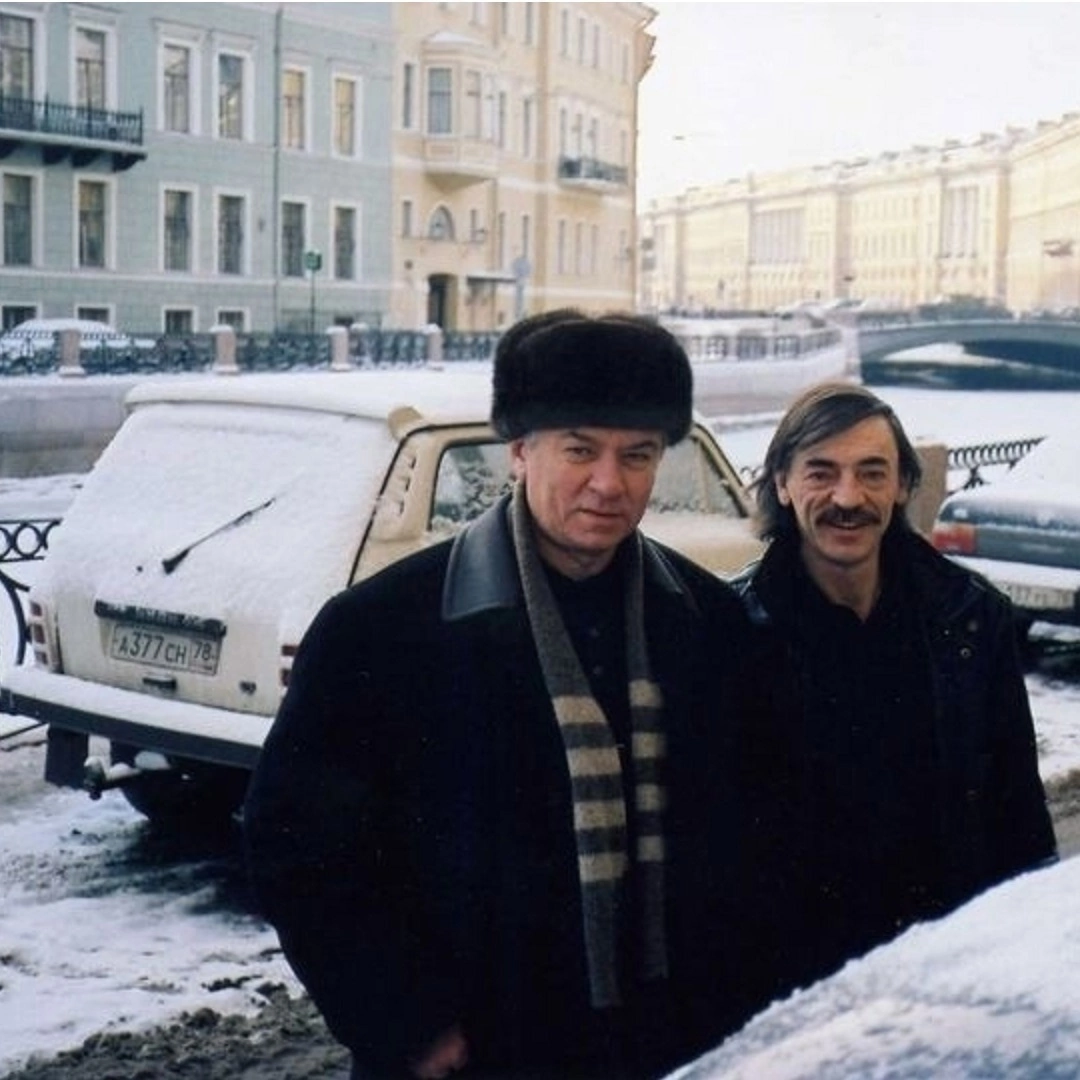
{"points": [[500, 821]]}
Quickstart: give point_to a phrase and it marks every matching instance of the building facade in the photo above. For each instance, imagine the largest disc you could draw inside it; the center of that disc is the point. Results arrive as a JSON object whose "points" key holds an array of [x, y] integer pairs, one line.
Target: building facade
{"points": [[996, 218], [169, 167], [514, 159]]}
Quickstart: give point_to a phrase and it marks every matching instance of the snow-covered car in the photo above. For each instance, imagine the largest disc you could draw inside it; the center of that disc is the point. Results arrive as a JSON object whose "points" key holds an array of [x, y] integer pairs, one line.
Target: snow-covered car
{"points": [[39, 335], [222, 516], [992, 990], [1022, 531]]}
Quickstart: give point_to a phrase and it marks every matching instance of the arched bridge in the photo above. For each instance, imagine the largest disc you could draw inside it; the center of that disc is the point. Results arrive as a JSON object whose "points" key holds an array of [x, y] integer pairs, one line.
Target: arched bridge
{"points": [[1043, 341]]}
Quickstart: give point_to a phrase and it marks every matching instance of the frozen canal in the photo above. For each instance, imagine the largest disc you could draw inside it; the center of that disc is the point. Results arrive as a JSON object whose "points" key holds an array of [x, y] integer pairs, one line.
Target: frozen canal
{"points": [[104, 927]]}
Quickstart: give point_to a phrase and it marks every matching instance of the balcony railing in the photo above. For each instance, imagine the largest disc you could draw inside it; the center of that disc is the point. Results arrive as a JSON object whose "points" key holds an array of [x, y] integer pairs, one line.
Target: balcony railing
{"points": [[592, 169], [70, 121]]}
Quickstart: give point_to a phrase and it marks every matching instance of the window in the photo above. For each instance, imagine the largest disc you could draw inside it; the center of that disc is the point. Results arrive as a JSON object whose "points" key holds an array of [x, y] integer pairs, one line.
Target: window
{"points": [[596, 45], [178, 231], [89, 68], [530, 24], [91, 223], [293, 238], [500, 239], [13, 314], [526, 236], [16, 57], [408, 96], [500, 121], [234, 317], [472, 104], [179, 321], [18, 220], [293, 135], [441, 225], [94, 314], [406, 217], [560, 252], [564, 32], [344, 243], [230, 96], [230, 234], [440, 110], [176, 88], [527, 107], [581, 39], [345, 117]]}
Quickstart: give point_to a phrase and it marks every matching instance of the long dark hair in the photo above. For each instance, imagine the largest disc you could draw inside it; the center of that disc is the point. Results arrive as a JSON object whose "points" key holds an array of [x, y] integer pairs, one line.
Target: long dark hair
{"points": [[819, 413]]}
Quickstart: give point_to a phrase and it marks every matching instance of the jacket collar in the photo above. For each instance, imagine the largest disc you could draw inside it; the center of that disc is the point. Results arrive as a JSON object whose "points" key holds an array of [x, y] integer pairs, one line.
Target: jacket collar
{"points": [[482, 572]]}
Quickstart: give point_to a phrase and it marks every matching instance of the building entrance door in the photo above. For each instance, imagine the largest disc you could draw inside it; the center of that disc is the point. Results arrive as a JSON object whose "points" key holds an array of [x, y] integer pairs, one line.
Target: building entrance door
{"points": [[439, 306]]}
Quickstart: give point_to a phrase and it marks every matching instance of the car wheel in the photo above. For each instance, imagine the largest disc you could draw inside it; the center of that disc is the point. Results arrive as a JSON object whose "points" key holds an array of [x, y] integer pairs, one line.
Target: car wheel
{"points": [[192, 797]]}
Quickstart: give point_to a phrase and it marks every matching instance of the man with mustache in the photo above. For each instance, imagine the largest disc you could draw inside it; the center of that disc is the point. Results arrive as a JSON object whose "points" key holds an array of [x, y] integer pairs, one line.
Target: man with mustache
{"points": [[908, 744]]}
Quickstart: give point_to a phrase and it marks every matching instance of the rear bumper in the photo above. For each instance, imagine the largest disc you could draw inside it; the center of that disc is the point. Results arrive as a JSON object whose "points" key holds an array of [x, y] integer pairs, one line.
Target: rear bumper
{"points": [[173, 728], [1046, 593]]}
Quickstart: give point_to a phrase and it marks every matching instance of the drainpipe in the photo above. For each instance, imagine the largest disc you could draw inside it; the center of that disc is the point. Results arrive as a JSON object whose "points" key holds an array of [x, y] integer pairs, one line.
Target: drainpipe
{"points": [[275, 209]]}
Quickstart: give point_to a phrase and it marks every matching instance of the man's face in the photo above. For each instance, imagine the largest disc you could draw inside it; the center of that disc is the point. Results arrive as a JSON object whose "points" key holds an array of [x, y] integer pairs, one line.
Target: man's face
{"points": [[587, 489], [843, 492]]}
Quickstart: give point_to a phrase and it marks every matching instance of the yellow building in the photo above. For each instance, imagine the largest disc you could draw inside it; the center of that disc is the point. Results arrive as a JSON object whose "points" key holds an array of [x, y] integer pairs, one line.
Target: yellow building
{"points": [[996, 218], [514, 159]]}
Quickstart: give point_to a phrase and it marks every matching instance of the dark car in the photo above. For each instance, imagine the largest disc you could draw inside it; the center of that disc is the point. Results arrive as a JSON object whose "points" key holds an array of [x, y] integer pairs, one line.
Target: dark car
{"points": [[1022, 531]]}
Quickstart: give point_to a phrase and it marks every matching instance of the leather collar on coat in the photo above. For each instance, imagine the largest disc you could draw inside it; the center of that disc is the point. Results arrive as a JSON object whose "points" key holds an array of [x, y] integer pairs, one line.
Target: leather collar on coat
{"points": [[482, 573]]}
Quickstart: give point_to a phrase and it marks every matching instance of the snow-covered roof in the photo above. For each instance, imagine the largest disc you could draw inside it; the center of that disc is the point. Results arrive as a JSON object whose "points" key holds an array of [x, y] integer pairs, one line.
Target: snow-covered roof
{"points": [[436, 393]]}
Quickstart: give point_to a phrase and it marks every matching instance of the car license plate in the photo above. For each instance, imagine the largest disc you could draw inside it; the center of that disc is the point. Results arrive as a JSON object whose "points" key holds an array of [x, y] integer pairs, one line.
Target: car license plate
{"points": [[1038, 597], [165, 648]]}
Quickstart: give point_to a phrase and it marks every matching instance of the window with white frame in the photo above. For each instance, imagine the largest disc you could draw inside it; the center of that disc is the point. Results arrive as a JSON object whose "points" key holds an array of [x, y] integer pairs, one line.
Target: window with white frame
{"points": [[13, 314], [345, 224], [90, 86], [346, 116], [231, 214], [440, 102], [16, 56], [92, 199], [231, 95], [293, 109], [234, 317], [179, 320], [177, 230], [293, 238], [18, 222], [176, 109]]}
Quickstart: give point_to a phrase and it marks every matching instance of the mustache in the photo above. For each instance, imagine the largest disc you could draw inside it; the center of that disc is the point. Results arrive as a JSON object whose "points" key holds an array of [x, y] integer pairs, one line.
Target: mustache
{"points": [[841, 516]]}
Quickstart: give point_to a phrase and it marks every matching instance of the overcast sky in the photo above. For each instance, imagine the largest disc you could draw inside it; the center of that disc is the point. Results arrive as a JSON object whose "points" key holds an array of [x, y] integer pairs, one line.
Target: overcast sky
{"points": [[764, 86]]}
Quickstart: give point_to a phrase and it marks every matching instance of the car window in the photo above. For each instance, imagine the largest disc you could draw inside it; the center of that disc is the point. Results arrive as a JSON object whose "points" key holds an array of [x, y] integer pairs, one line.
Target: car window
{"points": [[472, 476]]}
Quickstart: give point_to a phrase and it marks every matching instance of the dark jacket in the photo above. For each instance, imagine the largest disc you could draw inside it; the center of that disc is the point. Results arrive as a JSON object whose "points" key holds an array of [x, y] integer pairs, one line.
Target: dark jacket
{"points": [[975, 794], [409, 821]]}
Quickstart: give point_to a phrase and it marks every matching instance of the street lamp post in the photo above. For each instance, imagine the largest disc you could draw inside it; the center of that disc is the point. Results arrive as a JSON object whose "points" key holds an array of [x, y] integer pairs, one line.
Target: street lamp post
{"points": [[313, 264]]}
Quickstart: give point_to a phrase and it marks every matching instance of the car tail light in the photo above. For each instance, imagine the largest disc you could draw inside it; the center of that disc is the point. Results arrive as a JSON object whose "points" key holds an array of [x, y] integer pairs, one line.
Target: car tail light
{"points": [[42, 637], [955, 538], [285, 666]]}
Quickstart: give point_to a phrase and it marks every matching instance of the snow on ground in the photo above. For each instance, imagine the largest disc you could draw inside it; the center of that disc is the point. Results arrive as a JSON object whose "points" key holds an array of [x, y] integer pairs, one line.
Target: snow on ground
{"points": [[99, 931]]}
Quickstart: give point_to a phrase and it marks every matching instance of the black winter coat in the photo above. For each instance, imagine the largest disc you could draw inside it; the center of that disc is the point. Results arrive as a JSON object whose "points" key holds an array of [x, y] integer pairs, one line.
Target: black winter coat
{"points": [[409, 823], [984, 813]]}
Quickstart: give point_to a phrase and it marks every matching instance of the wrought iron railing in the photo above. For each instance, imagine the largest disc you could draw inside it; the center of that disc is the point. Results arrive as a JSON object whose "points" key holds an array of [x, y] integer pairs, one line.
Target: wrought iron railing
{"points": [[589, 168], [75, 121], [22, 541]]}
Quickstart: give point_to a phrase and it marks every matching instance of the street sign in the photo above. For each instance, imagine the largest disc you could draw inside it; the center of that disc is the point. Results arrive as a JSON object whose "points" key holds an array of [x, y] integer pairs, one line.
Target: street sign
{"points": [[313, 261]]}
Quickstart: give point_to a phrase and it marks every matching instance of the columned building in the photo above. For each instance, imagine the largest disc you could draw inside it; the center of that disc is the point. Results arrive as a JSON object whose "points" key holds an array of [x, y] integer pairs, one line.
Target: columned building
{"points": [[514, 159], [996, 218], [169, 167]]}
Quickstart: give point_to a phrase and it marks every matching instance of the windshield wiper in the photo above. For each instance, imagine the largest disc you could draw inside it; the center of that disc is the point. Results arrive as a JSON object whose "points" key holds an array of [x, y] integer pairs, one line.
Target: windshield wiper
{"points": [[170, 562]]}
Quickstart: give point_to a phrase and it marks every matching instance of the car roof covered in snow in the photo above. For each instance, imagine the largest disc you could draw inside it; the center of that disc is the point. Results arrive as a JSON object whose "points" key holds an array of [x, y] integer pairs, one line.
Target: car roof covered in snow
{"points": [[437, 394]]}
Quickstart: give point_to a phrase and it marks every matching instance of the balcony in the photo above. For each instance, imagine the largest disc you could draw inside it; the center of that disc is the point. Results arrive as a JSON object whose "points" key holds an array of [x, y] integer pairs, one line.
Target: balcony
{"points": [[592, 174], [459, 160], [71, 132]]}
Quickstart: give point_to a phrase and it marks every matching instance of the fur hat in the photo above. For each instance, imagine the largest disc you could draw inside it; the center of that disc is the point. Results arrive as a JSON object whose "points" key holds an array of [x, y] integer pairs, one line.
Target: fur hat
{"points": [[565, 369]]}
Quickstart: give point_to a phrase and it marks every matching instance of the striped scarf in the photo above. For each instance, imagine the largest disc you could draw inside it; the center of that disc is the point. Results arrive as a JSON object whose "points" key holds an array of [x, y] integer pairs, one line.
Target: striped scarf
{"points": [[596, 779]]}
